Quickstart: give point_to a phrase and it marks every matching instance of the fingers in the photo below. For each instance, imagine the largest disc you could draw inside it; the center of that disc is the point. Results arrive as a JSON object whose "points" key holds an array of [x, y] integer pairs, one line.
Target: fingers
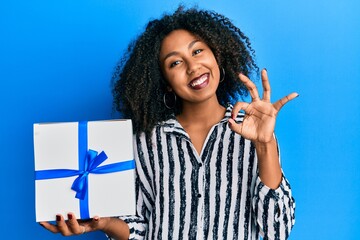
{"points": [[248, 108], [235, 127], [280, 103], [250, 86], [266, 91], [66, 228], [266, 85], [73, 225], [52, 228], [238, 107], [62, 226]]}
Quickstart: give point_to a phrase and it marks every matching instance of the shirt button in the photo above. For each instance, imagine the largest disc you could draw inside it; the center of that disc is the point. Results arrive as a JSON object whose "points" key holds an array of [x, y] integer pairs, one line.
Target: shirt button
{"points": [[199, 195], [200, 164]]}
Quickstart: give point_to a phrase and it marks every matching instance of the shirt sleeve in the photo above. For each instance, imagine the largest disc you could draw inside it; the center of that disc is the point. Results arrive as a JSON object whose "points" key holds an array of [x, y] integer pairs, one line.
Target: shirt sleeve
{"points": [[274, 210], [137, 223]]}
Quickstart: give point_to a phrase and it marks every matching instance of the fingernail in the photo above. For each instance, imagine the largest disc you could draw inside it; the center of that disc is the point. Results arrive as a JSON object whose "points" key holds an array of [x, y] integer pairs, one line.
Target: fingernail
{"points": [[96, 219], [298, 95], [58, 218], [70, 216], [265, 69]]}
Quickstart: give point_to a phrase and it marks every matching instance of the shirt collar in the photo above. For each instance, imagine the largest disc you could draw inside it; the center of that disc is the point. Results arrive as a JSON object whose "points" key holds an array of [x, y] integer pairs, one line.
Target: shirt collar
{"points": [[173, 126]]}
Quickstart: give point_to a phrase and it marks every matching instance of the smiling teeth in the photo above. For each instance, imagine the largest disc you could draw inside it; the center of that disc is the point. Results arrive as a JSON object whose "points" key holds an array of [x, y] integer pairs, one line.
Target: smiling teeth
{"points": [[199, 81]]}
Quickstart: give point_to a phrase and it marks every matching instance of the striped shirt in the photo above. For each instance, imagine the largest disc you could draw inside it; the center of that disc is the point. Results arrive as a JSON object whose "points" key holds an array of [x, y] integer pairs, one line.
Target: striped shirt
{"points": [[215, 195]]}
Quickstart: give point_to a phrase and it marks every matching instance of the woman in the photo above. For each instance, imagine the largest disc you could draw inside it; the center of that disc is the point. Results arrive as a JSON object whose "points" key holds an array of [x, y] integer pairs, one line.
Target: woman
{"points": [[205, 169]]}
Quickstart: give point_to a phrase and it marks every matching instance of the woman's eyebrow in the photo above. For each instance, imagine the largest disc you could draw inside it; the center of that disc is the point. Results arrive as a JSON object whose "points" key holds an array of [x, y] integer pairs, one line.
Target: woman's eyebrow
{"points": [[174, 53], [192, 43]]}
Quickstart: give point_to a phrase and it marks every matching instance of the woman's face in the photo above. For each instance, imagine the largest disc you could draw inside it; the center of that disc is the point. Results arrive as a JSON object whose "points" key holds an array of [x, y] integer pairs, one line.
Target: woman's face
{"points": [[189, 66]]}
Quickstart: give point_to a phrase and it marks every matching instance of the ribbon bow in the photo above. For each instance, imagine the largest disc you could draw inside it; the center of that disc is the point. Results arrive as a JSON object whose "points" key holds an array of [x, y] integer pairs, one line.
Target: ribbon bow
{"points": [[92, 161]]}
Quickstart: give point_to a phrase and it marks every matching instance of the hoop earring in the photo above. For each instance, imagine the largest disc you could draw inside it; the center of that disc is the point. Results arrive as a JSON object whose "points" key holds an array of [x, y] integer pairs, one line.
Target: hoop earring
{"points": [[169, 99], [223, 75]]}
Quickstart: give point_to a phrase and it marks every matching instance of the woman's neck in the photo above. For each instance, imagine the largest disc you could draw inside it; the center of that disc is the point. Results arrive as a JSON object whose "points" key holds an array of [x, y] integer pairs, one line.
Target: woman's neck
{"points": [[197, 120], [206, 114]]}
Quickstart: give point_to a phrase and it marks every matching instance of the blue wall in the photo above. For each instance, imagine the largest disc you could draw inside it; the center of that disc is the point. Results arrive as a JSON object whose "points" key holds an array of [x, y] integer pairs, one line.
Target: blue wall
{"points": [[56, 61]]}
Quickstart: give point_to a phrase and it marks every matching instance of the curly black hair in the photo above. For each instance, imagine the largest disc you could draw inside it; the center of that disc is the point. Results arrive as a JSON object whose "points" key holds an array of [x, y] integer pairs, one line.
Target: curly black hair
{"points": [[138, 82]]}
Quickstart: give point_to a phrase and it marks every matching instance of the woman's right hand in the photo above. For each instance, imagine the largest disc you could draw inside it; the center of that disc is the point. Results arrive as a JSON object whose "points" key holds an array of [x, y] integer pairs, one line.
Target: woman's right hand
{"points": [[112, 226], [72, 226]]}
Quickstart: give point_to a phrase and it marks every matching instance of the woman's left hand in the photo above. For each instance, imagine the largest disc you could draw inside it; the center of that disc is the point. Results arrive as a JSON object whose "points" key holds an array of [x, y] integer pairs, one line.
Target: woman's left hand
{"points": [[260, 115]]}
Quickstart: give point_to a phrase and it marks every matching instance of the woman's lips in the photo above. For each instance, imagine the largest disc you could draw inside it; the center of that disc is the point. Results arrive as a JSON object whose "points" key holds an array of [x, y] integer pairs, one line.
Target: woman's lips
{"points": [[200, 82]]}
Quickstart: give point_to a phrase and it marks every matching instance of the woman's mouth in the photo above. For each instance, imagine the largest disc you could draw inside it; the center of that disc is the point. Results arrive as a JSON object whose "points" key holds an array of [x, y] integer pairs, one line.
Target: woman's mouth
{"points": [[200, 82]]}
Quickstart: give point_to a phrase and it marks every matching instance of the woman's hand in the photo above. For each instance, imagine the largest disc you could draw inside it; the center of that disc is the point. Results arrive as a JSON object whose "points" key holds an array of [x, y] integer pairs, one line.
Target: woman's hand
{"points": [[260, 115], [72, 226]]}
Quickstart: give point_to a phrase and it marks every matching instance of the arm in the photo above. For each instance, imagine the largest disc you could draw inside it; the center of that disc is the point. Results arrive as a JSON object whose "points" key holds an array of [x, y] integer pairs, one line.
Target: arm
{"points": [[258, 126], [136, 225], [274, 208], [117, 229], [269, 164], [273, 204]]}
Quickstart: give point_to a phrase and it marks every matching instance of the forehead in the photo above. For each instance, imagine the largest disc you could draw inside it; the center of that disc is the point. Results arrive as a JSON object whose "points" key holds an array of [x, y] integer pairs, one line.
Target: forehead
{"points": [[177, 40]]}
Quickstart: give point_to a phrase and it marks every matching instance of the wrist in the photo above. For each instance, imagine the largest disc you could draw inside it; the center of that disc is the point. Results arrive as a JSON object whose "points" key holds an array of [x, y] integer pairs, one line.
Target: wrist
{"points": [[106, 223], [263, 146], [115, 228], [269, 166]]}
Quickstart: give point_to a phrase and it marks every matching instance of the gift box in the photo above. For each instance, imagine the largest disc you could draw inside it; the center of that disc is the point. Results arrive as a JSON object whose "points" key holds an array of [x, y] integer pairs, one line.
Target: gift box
{"points": [[84, 167]]}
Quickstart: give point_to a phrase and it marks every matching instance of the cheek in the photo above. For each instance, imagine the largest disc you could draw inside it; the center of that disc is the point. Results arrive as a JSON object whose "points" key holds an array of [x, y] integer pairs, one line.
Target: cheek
{"points": [[216, 71], [175, 76], [211, 61], [171, 79]]}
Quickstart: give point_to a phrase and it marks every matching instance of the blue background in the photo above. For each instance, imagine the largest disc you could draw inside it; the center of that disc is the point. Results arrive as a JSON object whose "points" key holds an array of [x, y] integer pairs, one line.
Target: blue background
{"points": [[57, 58]]}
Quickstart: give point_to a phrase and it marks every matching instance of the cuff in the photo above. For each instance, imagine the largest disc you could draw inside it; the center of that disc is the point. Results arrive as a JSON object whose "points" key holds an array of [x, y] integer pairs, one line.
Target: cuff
{"points": [[275, 194]]}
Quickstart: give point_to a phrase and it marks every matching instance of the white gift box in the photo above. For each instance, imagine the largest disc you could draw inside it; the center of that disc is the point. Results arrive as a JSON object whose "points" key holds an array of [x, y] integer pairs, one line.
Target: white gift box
{"points": [[61, 150]]}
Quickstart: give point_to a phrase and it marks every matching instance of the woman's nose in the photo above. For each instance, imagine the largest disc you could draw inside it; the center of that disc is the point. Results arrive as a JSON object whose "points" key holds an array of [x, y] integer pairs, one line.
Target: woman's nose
{"points": [[192, 67]]}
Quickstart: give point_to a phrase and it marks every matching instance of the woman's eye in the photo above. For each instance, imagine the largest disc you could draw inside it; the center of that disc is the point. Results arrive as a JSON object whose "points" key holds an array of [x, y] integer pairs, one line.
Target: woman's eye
{"points": [[173, 64], [197, 51]]}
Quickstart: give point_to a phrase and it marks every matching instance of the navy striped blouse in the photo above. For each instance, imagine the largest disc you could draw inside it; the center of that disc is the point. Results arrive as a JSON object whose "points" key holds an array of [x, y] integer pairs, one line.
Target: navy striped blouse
{"points": [[217, 195]]}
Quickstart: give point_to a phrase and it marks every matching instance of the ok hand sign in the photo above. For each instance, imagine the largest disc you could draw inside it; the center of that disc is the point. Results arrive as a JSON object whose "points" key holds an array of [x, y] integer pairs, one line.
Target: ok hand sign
{"points": [[260, 115]]}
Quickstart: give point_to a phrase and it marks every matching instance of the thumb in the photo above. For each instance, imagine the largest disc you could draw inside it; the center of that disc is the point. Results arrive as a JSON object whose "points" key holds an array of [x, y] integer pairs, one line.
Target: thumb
{"points": [[98, 223]]}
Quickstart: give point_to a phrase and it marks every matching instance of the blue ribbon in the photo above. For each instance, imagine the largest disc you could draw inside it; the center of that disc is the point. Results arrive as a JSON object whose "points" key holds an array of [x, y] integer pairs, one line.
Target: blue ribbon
{"points": [[89, 160]]}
